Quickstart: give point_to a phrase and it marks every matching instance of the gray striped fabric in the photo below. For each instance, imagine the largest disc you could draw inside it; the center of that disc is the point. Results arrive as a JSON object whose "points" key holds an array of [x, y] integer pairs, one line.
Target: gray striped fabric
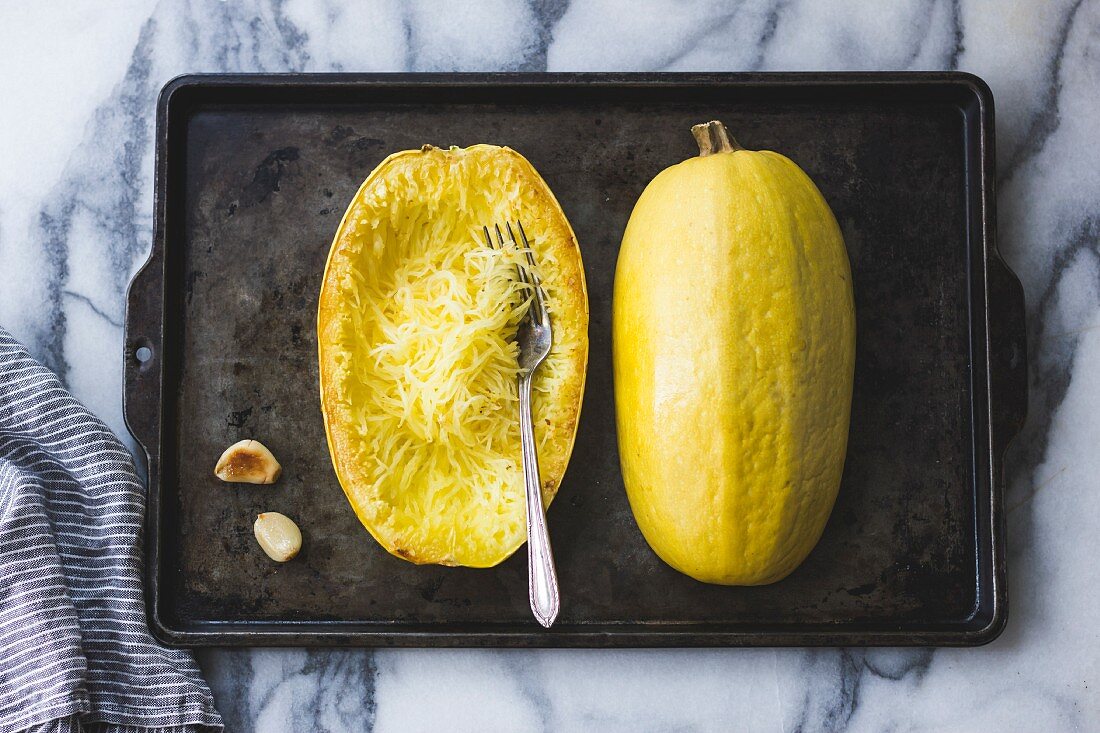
{"points": [[75, 651]]}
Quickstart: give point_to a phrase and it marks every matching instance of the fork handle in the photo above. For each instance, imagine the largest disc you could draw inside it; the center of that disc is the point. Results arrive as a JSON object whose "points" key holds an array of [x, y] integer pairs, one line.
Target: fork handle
{"points": [[542, 576]]}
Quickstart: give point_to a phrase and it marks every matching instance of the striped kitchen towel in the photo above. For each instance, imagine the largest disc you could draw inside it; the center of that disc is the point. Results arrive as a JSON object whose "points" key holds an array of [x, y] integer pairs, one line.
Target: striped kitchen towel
{"points": [[75, 650]]}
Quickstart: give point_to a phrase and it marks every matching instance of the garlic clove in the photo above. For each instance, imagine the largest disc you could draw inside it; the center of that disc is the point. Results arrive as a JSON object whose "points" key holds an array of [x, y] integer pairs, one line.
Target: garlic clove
{"points": [[278, 536], [248, 461]]}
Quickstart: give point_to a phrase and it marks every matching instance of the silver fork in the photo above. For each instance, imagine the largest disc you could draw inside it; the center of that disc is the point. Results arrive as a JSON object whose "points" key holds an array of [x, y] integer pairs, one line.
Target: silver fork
{"points": [[534, 337]]}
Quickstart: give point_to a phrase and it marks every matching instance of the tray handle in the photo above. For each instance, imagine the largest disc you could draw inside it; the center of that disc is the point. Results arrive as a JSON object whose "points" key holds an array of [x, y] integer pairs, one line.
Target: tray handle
{"points": [[142, 358], [1008, 379]]}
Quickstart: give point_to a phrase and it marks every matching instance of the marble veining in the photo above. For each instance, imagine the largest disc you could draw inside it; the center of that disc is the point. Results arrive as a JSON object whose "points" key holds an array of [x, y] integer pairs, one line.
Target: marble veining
{"points": [[79, 85]]}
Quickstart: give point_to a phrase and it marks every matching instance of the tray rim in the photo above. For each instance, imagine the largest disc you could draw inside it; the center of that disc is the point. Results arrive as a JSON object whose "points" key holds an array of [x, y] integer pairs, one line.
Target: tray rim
{"points": [[1004, 395]]}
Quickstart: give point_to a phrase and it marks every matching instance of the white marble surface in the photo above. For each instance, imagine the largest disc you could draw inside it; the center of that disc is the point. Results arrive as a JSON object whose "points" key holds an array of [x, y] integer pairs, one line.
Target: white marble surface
{"points": [[78, 82]]}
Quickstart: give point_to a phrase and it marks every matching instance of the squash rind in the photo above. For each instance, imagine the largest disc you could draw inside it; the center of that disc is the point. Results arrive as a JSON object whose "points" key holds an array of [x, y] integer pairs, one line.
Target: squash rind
{"points": [[734, 347]]}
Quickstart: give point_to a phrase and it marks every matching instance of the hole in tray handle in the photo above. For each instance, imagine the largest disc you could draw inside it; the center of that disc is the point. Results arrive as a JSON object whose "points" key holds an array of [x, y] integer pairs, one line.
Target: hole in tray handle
{"points": [[143, 354]]}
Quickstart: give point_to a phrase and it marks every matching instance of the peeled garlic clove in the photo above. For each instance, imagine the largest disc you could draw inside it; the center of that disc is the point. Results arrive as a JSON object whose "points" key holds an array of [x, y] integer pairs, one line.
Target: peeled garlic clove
{"points": [[278, 535], [248, 461]]}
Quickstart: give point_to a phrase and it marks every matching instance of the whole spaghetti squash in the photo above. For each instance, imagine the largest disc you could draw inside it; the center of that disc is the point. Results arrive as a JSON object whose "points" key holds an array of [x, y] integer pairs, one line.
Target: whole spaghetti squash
{"points": [[418, 371], [733, 336]]}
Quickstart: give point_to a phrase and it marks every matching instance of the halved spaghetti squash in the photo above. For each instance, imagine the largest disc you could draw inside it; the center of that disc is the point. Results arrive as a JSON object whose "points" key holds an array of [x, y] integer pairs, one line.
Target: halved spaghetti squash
{"points": [[415, 330]]}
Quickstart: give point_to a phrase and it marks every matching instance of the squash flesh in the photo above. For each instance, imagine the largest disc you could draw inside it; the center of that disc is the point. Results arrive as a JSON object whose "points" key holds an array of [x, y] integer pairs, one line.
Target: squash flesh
{"points": [[418, 364]]}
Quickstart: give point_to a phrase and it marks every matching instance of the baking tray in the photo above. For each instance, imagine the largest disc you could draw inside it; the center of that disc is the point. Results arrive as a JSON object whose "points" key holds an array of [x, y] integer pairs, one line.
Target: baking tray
{"points": [[252, 176]]}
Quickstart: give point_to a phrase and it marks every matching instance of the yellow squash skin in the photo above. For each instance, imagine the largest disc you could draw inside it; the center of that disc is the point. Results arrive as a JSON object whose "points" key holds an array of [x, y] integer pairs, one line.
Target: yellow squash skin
{"points": [[442, 482], [734, 348]]}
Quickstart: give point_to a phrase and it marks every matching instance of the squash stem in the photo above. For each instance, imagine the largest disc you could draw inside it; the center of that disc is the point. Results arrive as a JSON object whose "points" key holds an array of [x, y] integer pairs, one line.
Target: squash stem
{"points": [[713, 137]]}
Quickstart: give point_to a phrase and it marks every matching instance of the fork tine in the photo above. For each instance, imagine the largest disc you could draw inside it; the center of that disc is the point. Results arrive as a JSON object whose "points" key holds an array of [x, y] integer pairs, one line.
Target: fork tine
{"points": [[520, 275], [488, 238], [527, 249], [538, 307], [540, 292]]}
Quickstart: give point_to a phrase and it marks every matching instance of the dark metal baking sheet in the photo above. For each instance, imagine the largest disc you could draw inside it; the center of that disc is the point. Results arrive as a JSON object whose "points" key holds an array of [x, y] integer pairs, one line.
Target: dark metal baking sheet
{"points": [[252, 176]]}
